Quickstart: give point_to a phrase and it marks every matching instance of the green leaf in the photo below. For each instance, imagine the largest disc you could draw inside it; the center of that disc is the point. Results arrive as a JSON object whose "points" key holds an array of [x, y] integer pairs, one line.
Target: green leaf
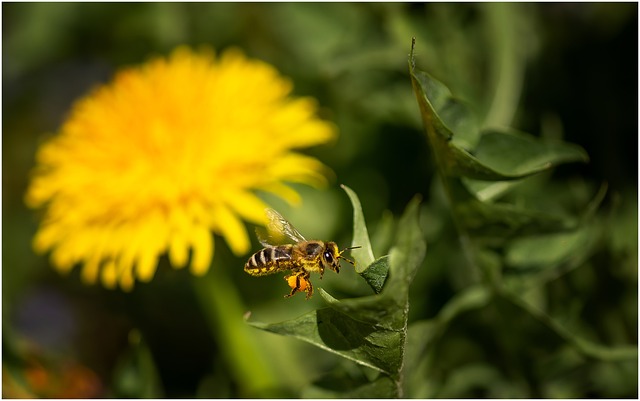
{"points": [[514, 153], [341, 384], [503, 221], [507, 221], [498, 156], [548, 251], [376, 273], [423, 336], [407, 254], [384, 234], [450, 158], [363, 255], [454, 114], [371, 330], [340, 334], [474, 297], [389, 309], [419, 337], [381, 311], [517, 154]]}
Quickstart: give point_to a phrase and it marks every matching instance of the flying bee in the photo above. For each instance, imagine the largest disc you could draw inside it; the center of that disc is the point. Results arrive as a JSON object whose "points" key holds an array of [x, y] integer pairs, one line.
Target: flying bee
{"points": [[301, 256]]}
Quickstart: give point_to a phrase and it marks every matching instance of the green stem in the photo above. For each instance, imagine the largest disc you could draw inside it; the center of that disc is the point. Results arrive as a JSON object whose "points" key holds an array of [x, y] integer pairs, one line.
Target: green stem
{"points": [[248, 362], [507, 61]]}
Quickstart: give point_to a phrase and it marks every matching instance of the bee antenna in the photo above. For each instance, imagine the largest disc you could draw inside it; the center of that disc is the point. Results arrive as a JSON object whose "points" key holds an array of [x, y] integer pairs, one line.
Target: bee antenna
{"points": [[346, 249], [348, 260]]}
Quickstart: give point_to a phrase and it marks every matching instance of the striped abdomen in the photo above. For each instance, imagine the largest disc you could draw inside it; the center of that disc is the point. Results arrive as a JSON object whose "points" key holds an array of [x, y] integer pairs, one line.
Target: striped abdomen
{"points": [[269, 260]]}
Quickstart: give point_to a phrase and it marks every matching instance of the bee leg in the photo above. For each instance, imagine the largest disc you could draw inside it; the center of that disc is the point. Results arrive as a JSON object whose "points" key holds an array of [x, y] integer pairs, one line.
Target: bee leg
{"points": [[309, 289], [299, 282]]}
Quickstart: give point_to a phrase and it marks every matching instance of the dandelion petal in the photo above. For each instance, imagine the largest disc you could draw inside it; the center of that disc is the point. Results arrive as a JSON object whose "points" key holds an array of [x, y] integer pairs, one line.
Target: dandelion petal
{"points": [[228, 224], [109, 275], [202, 251]]}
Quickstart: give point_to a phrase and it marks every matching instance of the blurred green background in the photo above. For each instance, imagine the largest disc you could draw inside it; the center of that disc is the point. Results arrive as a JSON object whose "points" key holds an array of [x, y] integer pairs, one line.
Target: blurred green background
{"points": [[569, 69]]}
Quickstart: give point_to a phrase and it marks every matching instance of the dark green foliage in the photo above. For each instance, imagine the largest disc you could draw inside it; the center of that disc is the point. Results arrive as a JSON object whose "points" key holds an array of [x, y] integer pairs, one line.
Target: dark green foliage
{"points": [[513, 248], [528, 288]]}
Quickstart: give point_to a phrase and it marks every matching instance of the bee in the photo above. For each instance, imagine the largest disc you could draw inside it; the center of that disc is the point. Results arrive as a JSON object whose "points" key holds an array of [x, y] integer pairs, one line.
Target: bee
{"points": [[301, 257]]}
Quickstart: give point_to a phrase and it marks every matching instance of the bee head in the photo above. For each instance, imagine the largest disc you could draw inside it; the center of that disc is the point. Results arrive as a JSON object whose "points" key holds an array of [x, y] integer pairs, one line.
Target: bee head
{"points": [[331, 256]]}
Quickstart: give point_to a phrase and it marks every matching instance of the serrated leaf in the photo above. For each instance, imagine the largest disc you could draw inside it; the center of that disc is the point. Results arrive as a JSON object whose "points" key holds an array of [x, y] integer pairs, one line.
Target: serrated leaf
{"points": [[506, 221], [455, 115], [498, 156], [369, 330], [503, 221], [450, 158], [363, 255], [388, 309], [340, 334], [514, 153]]}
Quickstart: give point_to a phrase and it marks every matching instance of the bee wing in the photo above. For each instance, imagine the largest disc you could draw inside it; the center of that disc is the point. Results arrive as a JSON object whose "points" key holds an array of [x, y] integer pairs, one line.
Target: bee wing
{"points": [[278, 231]]}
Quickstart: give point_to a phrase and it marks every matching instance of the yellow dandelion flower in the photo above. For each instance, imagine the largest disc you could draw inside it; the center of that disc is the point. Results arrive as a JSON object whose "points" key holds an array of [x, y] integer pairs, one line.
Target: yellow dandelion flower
{"points": [[164, 156]]}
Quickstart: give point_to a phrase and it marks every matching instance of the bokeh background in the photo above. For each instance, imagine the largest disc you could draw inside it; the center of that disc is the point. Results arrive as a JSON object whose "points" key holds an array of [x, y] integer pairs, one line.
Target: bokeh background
{"points": [[569, 68]]}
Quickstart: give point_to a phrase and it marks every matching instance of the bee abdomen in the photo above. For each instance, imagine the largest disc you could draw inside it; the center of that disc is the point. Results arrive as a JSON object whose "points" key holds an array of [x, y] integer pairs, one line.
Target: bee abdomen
{"points": [[268, 260]]}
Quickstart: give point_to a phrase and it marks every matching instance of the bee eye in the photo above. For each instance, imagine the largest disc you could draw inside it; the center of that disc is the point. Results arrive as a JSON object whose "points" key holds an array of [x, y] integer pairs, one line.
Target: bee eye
{"points": [[328, 256]]}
